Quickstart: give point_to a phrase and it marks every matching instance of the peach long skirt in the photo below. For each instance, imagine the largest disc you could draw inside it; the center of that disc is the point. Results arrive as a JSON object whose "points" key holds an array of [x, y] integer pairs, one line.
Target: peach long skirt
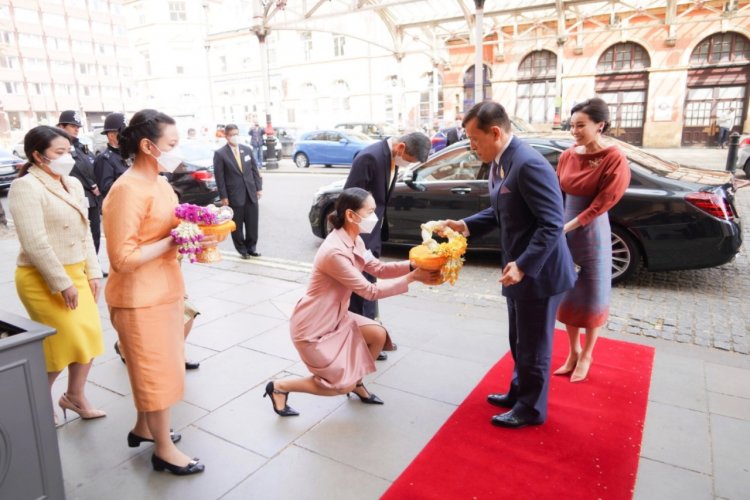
{"points": [[152, 343]]}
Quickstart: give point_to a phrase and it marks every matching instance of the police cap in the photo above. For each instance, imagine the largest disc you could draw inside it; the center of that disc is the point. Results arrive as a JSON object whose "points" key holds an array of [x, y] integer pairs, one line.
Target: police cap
{"points": [[70, 117], [114, 122]]}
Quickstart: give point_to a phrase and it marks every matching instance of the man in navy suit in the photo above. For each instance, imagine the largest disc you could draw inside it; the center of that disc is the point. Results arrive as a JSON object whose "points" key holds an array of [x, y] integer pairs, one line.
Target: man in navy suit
{"points": [[240, 186], [527, 206], [375, 169]]}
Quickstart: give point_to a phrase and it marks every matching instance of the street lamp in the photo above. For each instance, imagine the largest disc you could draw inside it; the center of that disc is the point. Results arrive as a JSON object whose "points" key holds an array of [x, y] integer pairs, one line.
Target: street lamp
{"points": [[261, 10]]}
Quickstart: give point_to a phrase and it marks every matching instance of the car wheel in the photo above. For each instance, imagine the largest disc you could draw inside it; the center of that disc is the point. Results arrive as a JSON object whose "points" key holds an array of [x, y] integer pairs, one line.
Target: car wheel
{"points": [[747, 168], [625, 255], [301, 160], [325, 226]]}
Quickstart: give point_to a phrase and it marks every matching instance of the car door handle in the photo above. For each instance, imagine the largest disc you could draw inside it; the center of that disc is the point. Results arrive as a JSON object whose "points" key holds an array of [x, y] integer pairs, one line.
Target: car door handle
{"points": [[461, 190]]}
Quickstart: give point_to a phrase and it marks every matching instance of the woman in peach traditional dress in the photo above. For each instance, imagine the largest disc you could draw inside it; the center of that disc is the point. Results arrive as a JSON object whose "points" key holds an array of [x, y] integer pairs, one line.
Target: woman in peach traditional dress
{"points": [[145, 289], [338, 346]]}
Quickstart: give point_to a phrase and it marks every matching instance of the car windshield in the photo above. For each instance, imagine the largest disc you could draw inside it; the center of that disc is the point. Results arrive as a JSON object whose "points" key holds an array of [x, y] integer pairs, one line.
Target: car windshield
{"points": [[194, 151], [520, 125], [358, 136], [5, 154], [460, 164]]}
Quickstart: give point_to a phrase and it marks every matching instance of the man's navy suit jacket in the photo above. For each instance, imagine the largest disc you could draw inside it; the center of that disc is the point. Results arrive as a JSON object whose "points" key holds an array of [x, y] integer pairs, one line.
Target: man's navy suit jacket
{"points": [[371, 171], [527, 205]]}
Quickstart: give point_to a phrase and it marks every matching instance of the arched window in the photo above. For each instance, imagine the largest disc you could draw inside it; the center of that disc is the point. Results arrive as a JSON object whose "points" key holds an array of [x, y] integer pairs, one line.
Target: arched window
{"points": [[626, 56], [469, 99], [540, 64], [537, 87], [622, 81], [721, 48], [717, 83]]}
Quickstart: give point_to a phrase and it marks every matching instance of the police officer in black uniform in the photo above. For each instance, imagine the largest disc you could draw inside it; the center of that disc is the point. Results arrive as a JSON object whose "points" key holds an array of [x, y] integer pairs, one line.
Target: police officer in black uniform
{"points": [[109, 165], [70, 121]]}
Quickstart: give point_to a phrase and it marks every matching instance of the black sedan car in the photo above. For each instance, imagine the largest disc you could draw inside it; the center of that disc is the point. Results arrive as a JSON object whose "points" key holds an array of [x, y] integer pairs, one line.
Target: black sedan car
{"points": [[671, 217], [193, 180], [9, 166]]}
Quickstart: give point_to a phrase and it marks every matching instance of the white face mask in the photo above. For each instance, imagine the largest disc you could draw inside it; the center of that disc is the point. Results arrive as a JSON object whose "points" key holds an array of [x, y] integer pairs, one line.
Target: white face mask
{"points": [[367, 224], [169, 160], [233, 139], [62, 165], [402, 163]]}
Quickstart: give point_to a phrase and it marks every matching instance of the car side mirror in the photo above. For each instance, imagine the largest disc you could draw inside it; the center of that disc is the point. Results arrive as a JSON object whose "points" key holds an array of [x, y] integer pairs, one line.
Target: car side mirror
{"points": [[410, 180], [343, 141]]}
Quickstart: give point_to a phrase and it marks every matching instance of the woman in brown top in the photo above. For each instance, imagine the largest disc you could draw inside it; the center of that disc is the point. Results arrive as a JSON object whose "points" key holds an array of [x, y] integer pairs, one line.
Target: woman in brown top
{"points": [[145, 289], [593, 177]]}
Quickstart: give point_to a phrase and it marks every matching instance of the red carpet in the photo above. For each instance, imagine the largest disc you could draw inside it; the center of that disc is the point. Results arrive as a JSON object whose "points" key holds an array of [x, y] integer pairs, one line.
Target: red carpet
{"points": [[587, 449]]}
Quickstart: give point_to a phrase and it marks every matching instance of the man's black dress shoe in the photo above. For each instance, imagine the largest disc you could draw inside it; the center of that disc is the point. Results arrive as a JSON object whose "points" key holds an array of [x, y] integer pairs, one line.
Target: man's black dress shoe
{"points": [[254, 254], [382, 356], [512, 420], [192, 365], [502, 400], [244, 256]]}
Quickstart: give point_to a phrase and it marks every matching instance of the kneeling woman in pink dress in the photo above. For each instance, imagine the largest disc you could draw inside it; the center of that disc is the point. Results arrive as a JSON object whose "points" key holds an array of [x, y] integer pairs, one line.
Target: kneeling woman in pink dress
{"points": [[338, 346]]}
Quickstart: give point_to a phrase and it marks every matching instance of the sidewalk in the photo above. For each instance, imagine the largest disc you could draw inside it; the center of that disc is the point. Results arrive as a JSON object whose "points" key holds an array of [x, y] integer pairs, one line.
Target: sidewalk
{"points": [[695, 444]]}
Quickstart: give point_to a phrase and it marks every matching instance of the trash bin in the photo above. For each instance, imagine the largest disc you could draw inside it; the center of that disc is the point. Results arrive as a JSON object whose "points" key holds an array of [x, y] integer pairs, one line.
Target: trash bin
{"points": [[29, 455]]}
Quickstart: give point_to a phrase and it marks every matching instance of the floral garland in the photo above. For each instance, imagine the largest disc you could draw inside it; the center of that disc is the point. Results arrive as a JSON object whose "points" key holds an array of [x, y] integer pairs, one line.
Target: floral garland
{"points": [[453, 249], [188, 234]]}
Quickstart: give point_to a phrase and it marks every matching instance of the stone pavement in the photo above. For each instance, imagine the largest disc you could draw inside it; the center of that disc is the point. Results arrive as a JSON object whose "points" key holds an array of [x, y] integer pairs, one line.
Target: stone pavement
{"points": [[695, 444]]}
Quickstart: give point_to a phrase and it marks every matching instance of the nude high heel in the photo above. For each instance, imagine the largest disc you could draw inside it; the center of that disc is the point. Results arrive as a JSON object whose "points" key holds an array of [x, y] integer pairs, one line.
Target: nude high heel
{"points": [[66, 404]]}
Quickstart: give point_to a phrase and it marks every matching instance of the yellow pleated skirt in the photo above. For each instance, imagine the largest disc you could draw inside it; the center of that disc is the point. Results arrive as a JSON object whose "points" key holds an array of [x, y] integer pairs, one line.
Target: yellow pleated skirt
{"points": [[153, 345], [79, 331]]}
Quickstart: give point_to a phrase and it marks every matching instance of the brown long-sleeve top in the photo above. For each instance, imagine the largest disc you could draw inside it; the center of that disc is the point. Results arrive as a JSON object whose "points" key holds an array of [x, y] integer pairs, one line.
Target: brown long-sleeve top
{"points": [[138, 212], [604, 175]]}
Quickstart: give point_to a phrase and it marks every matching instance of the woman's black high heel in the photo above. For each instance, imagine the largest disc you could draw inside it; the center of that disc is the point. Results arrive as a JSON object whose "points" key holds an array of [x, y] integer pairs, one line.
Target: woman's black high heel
{"points": [[287, 411], [191, 468], [371, 399], [134, 440]]}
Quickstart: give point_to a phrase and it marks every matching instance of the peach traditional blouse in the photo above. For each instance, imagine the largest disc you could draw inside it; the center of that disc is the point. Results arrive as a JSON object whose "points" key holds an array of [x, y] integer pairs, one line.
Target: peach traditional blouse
{"points": [[138, 212]]}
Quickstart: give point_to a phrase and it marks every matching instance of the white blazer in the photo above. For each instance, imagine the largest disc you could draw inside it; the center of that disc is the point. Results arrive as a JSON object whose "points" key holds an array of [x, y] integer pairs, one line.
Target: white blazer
{"points": [[52, 226]]}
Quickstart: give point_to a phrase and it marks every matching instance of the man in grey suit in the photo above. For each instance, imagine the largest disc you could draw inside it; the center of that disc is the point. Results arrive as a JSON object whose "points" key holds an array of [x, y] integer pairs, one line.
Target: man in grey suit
{"points": [[240, 186]]}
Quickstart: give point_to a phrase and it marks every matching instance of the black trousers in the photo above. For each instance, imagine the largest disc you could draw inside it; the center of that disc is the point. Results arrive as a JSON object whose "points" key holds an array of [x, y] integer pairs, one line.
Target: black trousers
{"points": [[245, 237], [531, 326], [364, 307], [95, 223]]}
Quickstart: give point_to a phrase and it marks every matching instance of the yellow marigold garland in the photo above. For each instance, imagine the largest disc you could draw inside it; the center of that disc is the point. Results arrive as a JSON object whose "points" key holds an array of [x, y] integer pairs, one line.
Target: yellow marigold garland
{"points": [[453, 249]]}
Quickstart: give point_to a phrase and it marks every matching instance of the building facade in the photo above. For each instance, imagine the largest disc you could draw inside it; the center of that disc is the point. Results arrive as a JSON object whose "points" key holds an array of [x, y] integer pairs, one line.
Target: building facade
{"points": [[666, 84], [62, 54]]}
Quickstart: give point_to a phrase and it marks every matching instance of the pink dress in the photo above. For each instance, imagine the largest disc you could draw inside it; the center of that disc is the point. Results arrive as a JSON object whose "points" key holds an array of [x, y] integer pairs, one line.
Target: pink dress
{"points": [[324, 332]]}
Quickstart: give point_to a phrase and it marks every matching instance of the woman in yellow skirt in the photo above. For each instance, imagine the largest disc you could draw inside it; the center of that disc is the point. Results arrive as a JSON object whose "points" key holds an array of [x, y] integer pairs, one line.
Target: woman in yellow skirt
{"points": [[145, 290], [58, 275]]}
